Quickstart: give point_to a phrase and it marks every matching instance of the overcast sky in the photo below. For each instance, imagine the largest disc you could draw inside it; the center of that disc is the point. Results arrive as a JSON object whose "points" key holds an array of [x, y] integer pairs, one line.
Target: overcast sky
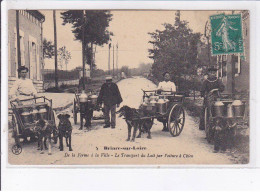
{"points": [[130, 30]]}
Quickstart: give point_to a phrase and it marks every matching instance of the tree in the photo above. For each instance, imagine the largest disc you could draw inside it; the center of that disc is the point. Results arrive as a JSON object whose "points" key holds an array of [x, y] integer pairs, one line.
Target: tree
{"points": [[64, 57], [174, 50], [95, 29], [48, 49]]}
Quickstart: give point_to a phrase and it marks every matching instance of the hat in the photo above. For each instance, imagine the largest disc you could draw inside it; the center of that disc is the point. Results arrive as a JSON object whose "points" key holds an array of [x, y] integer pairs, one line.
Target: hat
{"points": [[212, 69], [108, 78], [22, 68]]}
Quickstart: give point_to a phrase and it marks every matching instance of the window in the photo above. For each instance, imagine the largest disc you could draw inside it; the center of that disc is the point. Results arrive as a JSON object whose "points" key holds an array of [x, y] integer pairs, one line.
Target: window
{"points": [[237, 62]]}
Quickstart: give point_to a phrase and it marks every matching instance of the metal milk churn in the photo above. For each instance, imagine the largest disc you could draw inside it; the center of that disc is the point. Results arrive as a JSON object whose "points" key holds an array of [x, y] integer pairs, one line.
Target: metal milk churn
{"points": [[161, 106], [238, 108], [153, 106], [34, 114], [83, 97], [26, 115], [94, 99], [229, 111], [218, 109], [42, 112]]}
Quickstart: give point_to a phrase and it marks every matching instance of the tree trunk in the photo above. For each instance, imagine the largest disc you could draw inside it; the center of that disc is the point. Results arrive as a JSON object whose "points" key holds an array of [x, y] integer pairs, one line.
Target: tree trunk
{"points": [[55, 50]]}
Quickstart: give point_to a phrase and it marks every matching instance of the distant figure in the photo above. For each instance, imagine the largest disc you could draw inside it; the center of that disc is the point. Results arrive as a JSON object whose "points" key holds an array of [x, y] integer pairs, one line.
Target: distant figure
{"points": [[23, 87], [123, 76], [111, 97]]}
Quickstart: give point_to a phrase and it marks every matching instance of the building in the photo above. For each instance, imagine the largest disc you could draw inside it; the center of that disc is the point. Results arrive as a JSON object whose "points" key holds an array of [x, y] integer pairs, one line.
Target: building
{"points": [[240, 64], [30, 42]]}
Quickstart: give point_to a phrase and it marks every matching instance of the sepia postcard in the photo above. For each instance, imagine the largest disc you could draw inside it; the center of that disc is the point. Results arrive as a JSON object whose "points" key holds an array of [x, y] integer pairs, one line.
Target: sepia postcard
{"points": [[128, 87]]}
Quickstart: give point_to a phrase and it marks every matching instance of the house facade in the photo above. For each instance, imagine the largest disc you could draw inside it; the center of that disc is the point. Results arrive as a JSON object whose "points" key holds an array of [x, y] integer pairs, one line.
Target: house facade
{"points": [[240, 63], [31, 49]]}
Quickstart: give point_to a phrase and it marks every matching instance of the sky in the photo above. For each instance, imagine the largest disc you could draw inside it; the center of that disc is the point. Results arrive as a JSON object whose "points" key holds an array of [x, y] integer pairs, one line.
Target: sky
{"points": [[130, 29]]}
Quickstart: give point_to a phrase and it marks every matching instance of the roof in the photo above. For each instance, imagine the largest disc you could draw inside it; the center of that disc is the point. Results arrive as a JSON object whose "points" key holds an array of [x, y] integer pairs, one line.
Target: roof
{"points": [[37, 14]]}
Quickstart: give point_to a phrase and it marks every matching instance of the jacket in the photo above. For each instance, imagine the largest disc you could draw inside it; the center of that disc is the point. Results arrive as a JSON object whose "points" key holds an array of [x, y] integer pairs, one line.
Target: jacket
{"points": [[110, 95]]}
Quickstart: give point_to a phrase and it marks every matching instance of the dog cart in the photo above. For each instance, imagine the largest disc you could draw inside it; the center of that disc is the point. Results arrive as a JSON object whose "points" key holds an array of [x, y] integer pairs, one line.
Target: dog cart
{"points": [[24, 117], [225, 112], [80, 102], [166, 107]]}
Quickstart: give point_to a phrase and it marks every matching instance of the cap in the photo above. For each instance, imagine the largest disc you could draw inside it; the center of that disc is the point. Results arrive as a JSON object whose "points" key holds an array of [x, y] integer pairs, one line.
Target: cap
{"points": [[109, 78]]}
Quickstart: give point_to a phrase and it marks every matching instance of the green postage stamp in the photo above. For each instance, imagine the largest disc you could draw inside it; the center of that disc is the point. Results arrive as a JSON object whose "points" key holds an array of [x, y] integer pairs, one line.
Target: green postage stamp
{"points": [[226, 34]]}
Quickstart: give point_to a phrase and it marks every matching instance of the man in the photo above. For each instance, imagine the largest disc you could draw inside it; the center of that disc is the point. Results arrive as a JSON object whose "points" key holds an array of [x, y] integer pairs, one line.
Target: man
{"points": [[210, 83], [23, 87], [111, 97], [165, 87]]}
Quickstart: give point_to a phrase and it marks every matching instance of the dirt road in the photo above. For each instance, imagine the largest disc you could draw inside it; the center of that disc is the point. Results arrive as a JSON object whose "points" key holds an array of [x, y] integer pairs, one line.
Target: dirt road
{"points": [[101, 146]]}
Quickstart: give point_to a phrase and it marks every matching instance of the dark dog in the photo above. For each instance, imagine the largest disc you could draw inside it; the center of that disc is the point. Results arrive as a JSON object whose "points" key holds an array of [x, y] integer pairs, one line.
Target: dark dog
{"points": [[64, 130], [133, 119], [44, 129]]}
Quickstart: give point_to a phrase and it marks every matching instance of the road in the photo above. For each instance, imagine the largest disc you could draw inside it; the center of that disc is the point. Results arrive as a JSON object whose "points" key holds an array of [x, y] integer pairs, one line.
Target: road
{"points": [[163, 149]]}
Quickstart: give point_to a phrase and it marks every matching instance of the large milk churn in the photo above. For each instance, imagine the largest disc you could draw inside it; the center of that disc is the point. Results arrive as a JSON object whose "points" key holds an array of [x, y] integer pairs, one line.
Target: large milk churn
{"points": [[42, 112], [93, 99], [83, 97], [229, 111], [238, 108], [26, 115], [218, 109], [161, 106]]}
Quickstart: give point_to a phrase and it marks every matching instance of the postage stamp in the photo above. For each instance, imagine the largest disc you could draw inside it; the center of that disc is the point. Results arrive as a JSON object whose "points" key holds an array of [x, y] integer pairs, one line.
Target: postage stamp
{"points": [[226, 34]]}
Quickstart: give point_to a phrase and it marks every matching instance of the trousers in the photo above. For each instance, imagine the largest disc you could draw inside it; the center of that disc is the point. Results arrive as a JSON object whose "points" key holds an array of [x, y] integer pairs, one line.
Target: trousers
{"points": [[110, 109]]}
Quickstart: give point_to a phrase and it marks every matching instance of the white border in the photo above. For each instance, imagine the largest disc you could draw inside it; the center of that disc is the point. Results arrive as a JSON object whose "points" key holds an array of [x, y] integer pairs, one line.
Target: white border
{"points": [[12, 177]]}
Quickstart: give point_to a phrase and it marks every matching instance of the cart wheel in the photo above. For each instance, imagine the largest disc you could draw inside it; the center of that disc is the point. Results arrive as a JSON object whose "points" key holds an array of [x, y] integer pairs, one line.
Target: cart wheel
{"points": [[75, 112], [15, 130], [176, 120], [207, 125]]}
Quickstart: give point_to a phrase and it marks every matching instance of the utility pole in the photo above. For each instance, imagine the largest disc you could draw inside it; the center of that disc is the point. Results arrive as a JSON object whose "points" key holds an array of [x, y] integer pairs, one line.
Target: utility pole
{"points": [[117, 59], [18, 39], [83, 48], [55, 50], [109, 46], [113, 62]]}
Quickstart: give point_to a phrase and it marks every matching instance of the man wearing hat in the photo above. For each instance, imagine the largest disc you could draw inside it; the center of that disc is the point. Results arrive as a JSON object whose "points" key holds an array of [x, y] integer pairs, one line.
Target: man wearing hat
{"points": [[210, 83], [111, 97], [23, 87]]}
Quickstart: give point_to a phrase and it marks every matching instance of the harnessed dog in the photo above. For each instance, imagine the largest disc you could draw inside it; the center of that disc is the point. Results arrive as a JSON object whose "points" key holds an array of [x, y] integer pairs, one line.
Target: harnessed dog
{"points": [[133, 118], [64, 130]]}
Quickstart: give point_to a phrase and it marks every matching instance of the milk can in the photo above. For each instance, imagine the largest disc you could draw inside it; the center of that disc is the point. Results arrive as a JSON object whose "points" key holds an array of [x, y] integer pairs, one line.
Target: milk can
{"points": [[34, 114], [83, 97], [153, 106], [161, 106], [93, 99], [42, 112], [238, 108], [229, 111], [26, 115], [218, 109]]}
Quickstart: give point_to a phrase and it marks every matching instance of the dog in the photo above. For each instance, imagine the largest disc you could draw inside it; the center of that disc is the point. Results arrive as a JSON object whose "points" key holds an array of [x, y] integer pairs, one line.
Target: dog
{"points": [[133, 119], [64, 130], [44, 130]]}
